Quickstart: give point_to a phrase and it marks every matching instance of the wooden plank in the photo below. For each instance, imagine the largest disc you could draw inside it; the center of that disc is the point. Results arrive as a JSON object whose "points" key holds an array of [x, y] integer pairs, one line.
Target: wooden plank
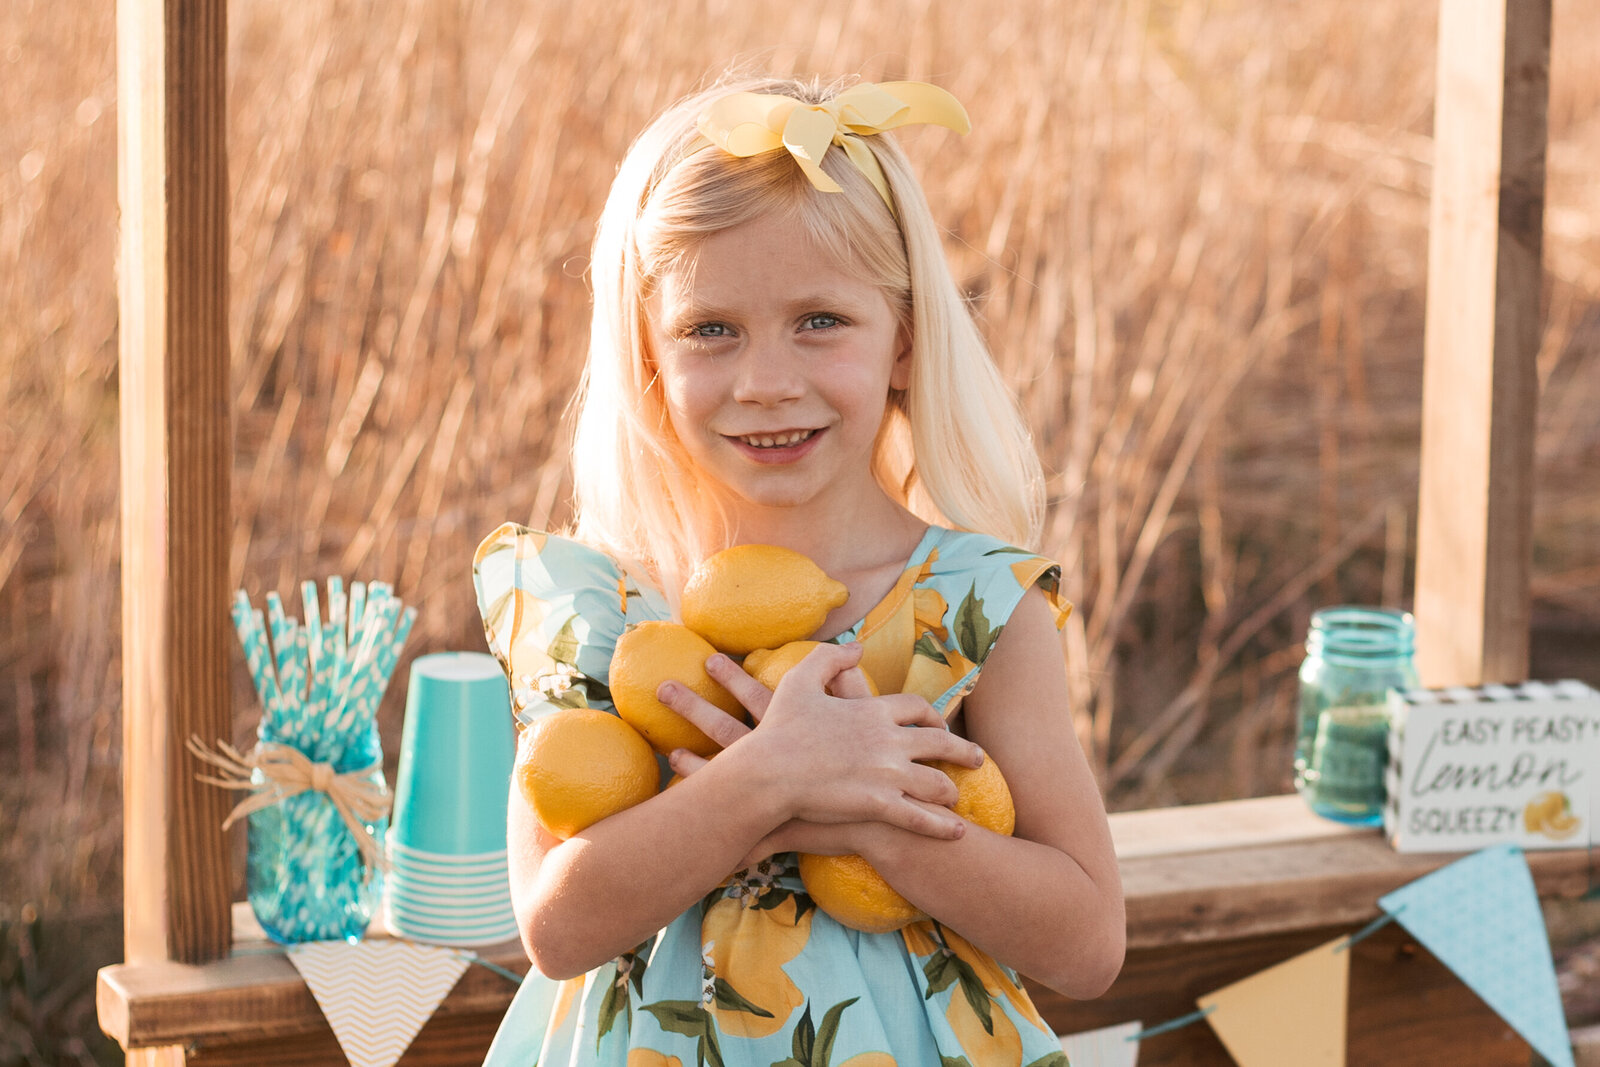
{"points": [[1294, 879], [255, 994], [1480, 383], [1405, 1007], [176, 453]]}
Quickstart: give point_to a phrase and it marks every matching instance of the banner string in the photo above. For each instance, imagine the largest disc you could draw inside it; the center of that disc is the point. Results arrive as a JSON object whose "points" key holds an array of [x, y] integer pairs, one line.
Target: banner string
{"points": [[1371, 928], [1195, 1016], [1172, 1024]]}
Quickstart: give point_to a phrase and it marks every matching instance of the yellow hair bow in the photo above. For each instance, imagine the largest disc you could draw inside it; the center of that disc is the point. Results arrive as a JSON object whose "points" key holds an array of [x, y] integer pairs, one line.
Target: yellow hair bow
{"points": [[749, 124]]}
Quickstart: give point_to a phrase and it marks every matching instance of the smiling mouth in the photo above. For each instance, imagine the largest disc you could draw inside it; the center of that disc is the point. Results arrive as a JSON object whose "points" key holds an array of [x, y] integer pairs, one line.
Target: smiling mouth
{"points": [[787, 439]]}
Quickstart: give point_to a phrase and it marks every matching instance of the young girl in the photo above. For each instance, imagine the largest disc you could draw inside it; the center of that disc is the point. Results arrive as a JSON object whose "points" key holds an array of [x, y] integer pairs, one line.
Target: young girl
{"points": [[780, 356]]}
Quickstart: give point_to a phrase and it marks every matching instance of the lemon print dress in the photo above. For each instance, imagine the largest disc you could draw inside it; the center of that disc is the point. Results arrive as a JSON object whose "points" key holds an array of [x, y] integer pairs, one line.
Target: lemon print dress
{"points": [[756, 975]]}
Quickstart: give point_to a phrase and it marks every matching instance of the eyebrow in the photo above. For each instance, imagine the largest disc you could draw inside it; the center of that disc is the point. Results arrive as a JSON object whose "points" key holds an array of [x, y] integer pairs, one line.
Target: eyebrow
{"points": [[821, 299]]}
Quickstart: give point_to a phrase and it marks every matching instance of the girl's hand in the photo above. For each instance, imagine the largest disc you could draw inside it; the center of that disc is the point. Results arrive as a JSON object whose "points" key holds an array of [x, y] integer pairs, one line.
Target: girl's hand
{"points": [[839, 757]]}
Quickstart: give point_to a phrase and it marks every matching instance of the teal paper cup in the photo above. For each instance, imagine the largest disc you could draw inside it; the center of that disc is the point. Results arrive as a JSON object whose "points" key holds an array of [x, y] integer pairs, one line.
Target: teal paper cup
{"points": [[456, 752]]}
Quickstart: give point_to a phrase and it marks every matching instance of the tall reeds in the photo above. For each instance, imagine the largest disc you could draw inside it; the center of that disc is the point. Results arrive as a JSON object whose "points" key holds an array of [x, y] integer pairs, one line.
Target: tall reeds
{"points": [[1195, 232]]}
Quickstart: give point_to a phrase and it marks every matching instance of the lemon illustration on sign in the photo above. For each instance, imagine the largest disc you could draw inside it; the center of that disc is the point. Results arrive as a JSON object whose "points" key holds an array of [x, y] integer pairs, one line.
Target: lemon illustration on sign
{"points": [[654, 652], [577, 766], [768, 666], [758, 596], [1550, 813], [852, 891]]}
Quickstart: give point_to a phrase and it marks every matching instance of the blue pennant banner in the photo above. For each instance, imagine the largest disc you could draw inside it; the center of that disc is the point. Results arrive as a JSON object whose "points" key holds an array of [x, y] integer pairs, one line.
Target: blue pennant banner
{"points": [[1480, 916]]}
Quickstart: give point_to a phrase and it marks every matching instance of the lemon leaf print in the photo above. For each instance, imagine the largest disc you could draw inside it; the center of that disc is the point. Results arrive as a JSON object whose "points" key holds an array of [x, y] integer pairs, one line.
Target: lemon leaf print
{"points": [[629, 971], [494, 616], [684, 1017], [823, 1055], [614, 1003], [564, 649], [974, 637], [1051, 1059], [941, 971], [954, 1061], [728, 999], [977, 996], [688, 1018], [1008, 550], [813, 1047], [927, 646]]}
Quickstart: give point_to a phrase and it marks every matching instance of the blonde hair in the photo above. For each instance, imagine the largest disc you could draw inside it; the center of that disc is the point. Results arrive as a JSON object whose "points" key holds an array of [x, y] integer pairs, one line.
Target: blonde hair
{"points": [[953, 448]]}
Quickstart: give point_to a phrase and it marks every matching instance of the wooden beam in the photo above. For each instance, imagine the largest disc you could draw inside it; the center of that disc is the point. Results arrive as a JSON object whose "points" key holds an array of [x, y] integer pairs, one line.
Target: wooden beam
{"points": [[1215, 892], [176, 452], [1480, 383]]}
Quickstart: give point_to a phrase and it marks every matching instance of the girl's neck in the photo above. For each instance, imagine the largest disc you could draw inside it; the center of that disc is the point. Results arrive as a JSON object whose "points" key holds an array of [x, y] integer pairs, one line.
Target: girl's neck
{"points": [[873, 532]]}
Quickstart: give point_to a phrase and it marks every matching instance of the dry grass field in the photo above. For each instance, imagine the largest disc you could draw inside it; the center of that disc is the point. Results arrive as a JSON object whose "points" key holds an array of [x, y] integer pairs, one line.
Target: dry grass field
{"points": [[1195, 231]]}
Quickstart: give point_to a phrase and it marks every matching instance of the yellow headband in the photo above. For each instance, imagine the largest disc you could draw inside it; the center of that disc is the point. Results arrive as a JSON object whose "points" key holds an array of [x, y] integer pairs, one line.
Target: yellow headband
{"points": [[748, 124]]}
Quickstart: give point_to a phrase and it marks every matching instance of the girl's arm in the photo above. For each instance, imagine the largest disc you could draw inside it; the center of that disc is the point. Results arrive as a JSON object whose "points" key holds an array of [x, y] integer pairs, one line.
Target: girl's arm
{"points": [[586, 900], [1046, 901]]}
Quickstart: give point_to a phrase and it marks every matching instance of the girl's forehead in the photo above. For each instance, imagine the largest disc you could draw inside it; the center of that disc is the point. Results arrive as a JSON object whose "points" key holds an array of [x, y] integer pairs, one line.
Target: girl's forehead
{"points": [[764, 253]]}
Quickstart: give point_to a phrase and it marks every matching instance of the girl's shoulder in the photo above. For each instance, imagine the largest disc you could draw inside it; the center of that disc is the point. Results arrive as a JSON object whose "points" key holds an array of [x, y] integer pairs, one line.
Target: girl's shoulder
{"points": [[553, 608]]}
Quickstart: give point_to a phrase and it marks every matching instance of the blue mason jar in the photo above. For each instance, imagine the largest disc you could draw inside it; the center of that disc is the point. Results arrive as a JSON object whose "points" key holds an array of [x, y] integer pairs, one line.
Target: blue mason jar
{"points": [[1354, 656], [305, 875]]}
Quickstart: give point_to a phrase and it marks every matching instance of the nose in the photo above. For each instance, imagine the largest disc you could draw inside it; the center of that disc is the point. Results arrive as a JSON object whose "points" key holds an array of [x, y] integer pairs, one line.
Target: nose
{"points": [[768, 374]]}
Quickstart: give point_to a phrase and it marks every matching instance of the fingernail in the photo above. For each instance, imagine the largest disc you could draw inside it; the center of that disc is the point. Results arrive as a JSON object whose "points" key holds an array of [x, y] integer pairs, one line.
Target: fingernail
{"points": [[666, 690], [717, 660]]}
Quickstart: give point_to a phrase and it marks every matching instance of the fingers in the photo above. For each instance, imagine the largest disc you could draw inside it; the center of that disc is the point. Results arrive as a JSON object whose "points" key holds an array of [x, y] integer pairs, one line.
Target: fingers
{"points": [[715, 723], [825, 663], [929, 820], [909, 709], [850, 684], [684, 763], [746, 690], [944, 745], [931, 786]]}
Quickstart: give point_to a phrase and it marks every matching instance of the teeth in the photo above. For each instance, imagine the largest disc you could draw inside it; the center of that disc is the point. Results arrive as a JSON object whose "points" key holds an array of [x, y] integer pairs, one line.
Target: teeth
{"points": [[781, 440]]}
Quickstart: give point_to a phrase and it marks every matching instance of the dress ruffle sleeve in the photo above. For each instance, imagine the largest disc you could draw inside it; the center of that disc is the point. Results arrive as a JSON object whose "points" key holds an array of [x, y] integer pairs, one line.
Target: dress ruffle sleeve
{"points": [[552, 610], [972, 584]]}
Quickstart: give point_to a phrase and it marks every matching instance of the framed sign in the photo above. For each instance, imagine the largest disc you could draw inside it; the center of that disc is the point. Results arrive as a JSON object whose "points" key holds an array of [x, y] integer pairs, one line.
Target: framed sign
{"points": [[1473, 767]]}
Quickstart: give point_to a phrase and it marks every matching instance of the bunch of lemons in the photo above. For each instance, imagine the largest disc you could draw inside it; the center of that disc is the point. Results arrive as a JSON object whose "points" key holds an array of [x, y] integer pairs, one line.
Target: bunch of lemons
{"points": [[759, 602], [576, 766]]}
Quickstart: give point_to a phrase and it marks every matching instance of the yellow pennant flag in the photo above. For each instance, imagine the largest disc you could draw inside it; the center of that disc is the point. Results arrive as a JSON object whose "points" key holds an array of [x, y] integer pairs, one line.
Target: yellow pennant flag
{"points": [[1291, 1013]]}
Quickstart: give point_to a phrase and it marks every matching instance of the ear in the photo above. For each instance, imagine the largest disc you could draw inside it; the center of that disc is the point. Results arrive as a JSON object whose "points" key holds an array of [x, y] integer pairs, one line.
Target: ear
{"points": [[900, 373]]}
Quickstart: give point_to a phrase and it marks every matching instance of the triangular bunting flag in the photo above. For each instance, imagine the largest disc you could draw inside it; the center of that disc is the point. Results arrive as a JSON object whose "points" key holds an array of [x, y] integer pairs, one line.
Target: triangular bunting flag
{"points": [[1291, 1013], [1106, 1047], [377, 994], [1480, 916]]}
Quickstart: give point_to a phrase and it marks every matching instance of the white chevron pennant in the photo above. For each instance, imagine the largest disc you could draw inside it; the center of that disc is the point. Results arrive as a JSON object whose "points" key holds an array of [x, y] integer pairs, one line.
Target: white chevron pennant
{"points": [[377, 994]]}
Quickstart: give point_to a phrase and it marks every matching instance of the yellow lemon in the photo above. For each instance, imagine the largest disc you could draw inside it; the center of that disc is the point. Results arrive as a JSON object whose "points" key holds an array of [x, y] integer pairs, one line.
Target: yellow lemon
{"points": [[654, 652], [577, 766], [853, 892], [982, 795], [758, 596], [768, 666]]}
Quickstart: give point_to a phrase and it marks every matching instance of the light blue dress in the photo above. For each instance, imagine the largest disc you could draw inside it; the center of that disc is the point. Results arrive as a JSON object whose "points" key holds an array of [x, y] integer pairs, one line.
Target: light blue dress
{"points": [[755, 975]]}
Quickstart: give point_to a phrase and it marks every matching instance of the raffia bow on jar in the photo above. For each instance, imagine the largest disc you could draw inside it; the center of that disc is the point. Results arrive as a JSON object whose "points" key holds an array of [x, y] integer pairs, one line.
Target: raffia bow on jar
{"points": [[319, 805], [749, 124], [275, 773]]}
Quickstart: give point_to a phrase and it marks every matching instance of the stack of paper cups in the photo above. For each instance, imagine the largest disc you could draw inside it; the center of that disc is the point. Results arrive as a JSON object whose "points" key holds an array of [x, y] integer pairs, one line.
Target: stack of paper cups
{"points": [[447, 882]]}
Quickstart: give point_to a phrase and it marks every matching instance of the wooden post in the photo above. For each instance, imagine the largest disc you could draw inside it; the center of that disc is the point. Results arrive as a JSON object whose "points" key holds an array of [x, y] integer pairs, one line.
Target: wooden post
{"points": [[176, 453], [1479, 397]]}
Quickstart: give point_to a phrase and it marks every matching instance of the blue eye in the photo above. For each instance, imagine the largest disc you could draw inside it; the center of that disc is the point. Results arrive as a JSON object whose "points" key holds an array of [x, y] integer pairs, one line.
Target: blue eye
{"points": [[709, 329], [821, 320]]}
